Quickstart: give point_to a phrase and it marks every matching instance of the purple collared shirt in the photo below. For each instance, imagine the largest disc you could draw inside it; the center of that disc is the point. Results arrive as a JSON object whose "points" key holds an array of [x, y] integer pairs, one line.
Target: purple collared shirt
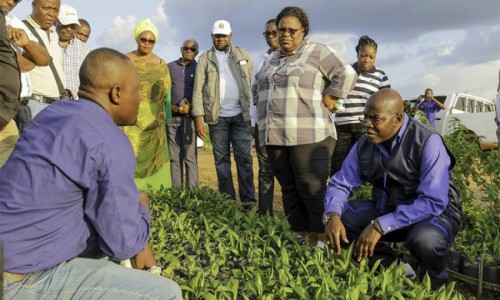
{"points": [[72, 170], [432, 191], [430, 108]]}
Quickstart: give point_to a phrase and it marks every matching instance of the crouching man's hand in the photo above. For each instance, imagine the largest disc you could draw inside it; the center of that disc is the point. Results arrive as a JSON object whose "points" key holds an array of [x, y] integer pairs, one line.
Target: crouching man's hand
{"points": [[335, 232], [365, 245], [144, 259]]}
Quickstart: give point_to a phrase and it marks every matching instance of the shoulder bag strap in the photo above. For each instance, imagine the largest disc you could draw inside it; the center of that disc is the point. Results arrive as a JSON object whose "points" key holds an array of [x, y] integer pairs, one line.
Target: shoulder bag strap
{"points": [[60, 86]]}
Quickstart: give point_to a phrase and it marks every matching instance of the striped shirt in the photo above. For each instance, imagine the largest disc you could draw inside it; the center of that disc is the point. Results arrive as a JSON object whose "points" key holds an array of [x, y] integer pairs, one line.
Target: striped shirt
{"points": [[367, 84], [290, 91]]}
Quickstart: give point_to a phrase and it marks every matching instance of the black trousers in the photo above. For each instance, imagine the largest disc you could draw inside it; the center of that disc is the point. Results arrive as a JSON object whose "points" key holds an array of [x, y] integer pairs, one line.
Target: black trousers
{"points": [[266, 178], [302, 172], [429, 240], [347, 136]]}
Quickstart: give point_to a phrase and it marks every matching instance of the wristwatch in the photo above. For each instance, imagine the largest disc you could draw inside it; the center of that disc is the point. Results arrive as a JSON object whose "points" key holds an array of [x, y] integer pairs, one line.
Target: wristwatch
{"points": [[377, 227], [328, 216]]}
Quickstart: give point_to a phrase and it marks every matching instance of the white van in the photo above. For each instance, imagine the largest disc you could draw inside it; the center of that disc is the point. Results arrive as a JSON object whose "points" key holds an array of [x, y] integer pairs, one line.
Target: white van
{"points": [[476, 113]]}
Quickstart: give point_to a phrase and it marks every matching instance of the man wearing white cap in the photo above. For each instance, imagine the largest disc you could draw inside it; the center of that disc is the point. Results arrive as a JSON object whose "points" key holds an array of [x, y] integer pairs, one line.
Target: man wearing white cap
{"points": [[221, 96], [74, 50], [49, 81]]}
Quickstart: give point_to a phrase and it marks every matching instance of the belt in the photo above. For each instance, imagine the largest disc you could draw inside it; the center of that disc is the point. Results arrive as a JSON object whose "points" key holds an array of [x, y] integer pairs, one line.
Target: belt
{"points": [[43, 99], [12, 277], [25, 100]]}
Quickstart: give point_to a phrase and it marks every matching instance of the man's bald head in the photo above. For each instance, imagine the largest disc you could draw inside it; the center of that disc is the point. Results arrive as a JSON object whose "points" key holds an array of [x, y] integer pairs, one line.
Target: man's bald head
{"points": [[383, 116], [110, 79], [388, 100], [103, 68]]}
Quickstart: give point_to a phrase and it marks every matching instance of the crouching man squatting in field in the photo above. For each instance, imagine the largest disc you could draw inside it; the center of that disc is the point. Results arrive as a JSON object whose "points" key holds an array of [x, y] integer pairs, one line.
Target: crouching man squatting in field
{"points": [[414, 200], [69, 187]]}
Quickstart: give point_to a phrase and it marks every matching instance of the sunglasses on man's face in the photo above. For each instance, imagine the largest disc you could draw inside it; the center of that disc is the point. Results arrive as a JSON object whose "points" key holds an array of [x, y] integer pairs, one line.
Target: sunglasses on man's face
{"points": [[146, 41], [270, 33], [192, 49]]}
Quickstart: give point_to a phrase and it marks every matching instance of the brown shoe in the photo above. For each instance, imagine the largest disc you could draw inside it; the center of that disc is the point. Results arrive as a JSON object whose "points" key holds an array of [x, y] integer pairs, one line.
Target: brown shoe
{"points": [[248, 206]]}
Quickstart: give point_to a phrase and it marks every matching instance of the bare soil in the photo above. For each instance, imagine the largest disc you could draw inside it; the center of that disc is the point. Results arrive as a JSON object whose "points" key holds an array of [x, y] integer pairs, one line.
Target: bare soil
{"points": [[208, 176]]}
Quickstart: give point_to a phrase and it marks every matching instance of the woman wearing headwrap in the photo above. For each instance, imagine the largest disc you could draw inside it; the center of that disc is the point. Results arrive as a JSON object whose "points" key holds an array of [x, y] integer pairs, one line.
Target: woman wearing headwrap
{"points": [[148, 135]]}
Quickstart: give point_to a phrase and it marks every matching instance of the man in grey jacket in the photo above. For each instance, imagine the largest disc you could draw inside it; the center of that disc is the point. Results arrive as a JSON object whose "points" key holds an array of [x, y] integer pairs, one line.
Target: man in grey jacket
{"points": [[222, 97]]}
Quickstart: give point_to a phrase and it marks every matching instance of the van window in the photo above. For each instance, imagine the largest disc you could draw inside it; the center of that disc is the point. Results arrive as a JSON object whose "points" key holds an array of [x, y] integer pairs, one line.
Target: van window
{"points": [[489, 108], [459, 106], [480, 107], [470, 105]]}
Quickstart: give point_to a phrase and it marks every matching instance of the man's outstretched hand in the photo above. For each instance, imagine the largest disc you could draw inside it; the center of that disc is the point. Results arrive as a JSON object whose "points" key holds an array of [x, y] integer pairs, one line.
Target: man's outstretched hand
{"points": [[335, 231]]}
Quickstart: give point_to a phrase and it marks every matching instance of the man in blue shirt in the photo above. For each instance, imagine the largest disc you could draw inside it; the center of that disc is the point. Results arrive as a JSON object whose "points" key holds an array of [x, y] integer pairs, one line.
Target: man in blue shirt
{"points": [[67, 192], [414, 200], [430, 106], [181, 134]]}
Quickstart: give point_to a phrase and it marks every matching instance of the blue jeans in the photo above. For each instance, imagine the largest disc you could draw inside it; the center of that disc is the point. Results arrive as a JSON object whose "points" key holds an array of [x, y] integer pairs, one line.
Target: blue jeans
{"points": [[236, 132], [36, 107], [82, 278]]}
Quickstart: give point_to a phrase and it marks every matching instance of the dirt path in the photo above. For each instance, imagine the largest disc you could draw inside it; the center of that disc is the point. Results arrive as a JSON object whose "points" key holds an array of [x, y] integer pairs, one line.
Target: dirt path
{"points": [[208, 177]]}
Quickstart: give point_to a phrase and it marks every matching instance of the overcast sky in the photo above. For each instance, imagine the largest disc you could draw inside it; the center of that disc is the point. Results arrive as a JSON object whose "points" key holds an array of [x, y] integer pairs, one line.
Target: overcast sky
{"points": [[447, 45]]}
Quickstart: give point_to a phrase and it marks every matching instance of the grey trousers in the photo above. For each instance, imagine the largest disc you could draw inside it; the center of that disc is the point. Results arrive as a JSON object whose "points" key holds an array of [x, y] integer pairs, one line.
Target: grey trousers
{"points": [[181, 138]]}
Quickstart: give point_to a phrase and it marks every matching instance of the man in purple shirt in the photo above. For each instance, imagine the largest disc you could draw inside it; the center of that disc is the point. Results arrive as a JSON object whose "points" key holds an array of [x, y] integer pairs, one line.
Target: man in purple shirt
{"points": [[414, 196], [430, 106], [67, 196]]}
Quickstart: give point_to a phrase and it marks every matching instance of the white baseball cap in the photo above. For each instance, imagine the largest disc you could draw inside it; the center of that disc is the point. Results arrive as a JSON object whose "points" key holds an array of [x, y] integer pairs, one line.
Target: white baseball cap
{"points": [[67, 15], [221, 27]]}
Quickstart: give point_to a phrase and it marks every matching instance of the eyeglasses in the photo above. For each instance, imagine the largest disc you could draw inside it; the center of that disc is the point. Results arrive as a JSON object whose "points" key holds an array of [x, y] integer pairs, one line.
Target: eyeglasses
{"points": [[270, 33], [374, 120], [146, 41], [192, 49], [291, 31]]}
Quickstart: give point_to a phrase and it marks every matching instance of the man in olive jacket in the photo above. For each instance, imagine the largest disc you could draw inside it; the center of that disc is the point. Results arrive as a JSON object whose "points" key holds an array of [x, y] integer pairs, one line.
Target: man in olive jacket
{"points": [[222, 96]]}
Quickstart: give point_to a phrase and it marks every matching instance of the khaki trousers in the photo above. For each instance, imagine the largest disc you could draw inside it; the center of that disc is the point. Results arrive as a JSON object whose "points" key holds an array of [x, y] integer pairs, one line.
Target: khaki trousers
{"points": [[8, 139]]}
